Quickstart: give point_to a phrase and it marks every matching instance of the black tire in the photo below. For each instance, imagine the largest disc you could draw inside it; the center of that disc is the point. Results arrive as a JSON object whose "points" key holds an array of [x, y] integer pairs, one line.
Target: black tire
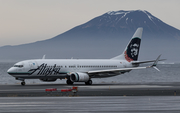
{"points": [[89, 82], [23, 83], [69, 82]]}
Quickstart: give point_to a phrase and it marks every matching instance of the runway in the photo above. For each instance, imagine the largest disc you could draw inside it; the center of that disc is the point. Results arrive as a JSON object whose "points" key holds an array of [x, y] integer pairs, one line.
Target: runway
{"points": [[129, 98], [100, 104], [38, 90]]}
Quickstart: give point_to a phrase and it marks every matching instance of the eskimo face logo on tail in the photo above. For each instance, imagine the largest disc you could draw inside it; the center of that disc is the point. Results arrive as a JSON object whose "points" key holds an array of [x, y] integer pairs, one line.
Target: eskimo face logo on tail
{"points": [[132, 51]]}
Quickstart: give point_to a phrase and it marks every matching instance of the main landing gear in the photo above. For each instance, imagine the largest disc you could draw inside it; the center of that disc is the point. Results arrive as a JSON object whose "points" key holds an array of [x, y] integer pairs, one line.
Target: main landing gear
{"points": [[23, 83], [69, 82], [89, 82]]}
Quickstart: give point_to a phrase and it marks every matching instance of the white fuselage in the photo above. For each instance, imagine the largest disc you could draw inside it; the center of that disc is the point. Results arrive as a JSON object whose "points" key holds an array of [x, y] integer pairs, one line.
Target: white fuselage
{"points": [[59, 68]]}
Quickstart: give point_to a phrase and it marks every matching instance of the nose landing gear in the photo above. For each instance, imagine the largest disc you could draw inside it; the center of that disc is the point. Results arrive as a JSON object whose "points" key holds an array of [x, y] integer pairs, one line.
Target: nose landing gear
{"points": [[23, 81]]}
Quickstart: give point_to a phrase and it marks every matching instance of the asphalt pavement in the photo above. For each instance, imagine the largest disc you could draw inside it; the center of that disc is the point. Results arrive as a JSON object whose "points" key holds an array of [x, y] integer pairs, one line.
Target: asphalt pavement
{"points": [[40, 90]]}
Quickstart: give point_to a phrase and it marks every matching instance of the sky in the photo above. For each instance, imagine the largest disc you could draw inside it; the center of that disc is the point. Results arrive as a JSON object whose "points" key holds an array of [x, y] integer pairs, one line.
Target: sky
{"points": [[26, 21]]}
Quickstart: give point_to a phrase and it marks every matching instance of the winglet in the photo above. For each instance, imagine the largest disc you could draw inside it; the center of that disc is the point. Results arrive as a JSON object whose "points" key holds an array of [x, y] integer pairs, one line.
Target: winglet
{"points": [[155, 63]]}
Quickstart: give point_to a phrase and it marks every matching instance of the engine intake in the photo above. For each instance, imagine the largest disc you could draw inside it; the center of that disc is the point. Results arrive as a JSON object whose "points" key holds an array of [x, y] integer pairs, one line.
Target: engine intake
{"points": [[79, 77]]}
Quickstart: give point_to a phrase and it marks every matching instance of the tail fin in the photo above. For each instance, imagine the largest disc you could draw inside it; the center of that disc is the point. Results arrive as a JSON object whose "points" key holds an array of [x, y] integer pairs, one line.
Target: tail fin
{"points": [[131, 52]]}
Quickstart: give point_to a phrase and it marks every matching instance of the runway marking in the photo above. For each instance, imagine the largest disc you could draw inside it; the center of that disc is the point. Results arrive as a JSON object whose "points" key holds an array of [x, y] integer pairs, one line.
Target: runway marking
{"points": [[124, 86]]}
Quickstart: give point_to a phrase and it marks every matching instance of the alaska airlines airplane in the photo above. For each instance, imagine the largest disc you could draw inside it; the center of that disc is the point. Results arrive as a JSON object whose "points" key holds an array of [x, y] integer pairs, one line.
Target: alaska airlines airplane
{"points": [[81, 70]]}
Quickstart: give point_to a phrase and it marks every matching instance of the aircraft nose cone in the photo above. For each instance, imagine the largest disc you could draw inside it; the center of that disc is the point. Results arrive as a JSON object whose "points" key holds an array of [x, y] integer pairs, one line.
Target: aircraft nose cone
{"points": [[11, 71]]}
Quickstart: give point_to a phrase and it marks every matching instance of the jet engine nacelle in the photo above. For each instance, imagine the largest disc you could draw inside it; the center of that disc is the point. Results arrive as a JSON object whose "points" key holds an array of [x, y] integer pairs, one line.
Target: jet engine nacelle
{"points": [[79, 77], [48, 79]]}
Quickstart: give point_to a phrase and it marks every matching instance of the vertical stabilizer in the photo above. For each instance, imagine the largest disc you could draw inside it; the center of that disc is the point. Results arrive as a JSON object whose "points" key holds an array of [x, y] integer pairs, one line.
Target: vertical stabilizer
{"points": [[131, 52]]}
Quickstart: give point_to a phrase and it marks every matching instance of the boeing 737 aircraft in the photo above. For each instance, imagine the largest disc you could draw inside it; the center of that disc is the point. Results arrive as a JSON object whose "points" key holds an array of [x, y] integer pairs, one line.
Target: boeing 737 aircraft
{"points": [[81, 70]]}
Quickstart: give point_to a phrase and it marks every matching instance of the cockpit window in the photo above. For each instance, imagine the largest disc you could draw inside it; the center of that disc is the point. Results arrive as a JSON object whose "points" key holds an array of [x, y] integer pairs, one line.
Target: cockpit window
{"points": [[20, 66]]}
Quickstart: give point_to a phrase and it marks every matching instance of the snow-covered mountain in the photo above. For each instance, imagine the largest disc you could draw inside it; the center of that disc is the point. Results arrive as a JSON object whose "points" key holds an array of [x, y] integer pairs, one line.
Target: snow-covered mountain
{"points": [[119, 23], [104, 37]]}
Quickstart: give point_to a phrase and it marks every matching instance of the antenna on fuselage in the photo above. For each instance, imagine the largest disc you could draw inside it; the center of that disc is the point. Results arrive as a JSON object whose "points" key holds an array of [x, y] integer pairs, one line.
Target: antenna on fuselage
{"points": [[43, 56]]}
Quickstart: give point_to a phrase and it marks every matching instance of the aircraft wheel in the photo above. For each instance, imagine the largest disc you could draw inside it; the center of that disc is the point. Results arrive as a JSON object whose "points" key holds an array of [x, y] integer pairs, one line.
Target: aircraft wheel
{"points": [[69, 82], [89, 82], [23, 83]]}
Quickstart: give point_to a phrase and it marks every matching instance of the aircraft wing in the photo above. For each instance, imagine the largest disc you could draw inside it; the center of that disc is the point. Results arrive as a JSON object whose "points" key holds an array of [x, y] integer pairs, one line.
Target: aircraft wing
{"points": [[115, 70], [141, 62], [127, 69]]}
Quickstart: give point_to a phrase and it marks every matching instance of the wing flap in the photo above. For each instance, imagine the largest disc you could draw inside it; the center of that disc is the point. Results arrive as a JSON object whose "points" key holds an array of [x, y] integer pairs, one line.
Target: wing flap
{"points": [[141, 62], [115, 70]]}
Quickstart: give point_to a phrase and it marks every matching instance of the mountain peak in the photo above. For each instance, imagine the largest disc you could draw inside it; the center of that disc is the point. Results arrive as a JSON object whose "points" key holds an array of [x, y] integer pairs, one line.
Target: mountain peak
{"points": [[115, 21], [118, 12], [123, 12], [122, 22], [131, 13]]}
